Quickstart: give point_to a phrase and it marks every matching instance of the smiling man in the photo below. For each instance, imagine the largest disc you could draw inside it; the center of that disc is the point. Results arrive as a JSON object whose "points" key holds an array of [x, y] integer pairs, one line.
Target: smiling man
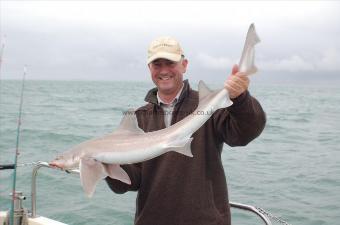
{"points": [[167, 66], [174, 189]]}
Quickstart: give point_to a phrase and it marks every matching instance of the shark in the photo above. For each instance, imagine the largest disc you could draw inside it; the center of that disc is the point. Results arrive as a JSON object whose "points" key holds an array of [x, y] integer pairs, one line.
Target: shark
{"points": [[128, 144]]}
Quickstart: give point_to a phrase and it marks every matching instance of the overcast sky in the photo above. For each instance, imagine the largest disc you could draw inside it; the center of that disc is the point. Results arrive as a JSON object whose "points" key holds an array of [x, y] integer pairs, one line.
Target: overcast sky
{"points": [[108, 40]]}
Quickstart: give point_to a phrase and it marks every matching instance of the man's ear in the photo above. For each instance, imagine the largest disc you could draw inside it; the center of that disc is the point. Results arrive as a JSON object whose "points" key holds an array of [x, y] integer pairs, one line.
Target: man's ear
{"points": [[149, 67], [184, 65]]}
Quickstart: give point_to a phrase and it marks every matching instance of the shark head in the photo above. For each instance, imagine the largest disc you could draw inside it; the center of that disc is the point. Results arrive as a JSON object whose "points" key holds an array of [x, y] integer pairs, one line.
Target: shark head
{"points": [[65, 161]]}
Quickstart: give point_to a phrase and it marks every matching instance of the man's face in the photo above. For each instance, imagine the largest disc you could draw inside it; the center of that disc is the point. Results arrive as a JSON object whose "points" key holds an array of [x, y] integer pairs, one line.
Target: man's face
{"points": [[168, 75]]}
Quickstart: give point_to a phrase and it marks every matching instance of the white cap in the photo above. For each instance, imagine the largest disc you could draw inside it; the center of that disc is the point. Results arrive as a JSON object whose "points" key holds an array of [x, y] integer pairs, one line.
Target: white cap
{"points": [[165, 48]]}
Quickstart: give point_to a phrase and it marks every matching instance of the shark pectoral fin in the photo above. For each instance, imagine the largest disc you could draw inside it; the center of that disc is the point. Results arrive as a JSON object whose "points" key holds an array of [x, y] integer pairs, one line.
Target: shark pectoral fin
{"points": [[116, 172], [182, 147], [91, 172]]}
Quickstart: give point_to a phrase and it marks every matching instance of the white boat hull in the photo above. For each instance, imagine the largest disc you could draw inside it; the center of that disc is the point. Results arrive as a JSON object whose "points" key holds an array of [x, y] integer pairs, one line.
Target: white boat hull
{"points": [[40, 220]]}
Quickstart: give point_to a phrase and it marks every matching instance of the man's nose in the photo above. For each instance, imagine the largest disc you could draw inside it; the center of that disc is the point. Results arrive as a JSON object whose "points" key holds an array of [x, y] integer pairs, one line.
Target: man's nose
{"points": [[164, 69]]}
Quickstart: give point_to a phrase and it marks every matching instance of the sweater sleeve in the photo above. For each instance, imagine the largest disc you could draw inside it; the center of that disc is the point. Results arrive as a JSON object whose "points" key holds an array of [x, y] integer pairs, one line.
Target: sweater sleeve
{"points": [[240, 123], [134, 172]]}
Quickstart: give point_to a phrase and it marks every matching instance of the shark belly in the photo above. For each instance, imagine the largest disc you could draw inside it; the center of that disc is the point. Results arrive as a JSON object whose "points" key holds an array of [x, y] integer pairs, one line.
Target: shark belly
{"points": [[130, 156]]}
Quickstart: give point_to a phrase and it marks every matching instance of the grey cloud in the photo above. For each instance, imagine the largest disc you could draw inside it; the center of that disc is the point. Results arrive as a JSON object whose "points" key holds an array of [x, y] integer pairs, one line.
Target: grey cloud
{"points": [[61, 49]]}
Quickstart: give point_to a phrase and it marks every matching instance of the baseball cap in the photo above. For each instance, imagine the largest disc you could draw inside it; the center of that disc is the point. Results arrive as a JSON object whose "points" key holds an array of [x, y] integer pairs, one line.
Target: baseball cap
{"points": [[166, 48]]}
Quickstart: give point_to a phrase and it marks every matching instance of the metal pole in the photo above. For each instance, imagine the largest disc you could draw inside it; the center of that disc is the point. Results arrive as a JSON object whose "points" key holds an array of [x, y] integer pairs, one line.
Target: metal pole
{"points": [[34, 185]]}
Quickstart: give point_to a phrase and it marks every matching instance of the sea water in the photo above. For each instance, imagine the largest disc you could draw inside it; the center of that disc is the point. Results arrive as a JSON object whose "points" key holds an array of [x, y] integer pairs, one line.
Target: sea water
{"points": [[292, 170]]}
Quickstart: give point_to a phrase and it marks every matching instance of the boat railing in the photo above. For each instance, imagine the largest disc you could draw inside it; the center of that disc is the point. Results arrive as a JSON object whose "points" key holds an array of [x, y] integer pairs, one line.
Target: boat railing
{"points": [[39, 165], [252, 209]]}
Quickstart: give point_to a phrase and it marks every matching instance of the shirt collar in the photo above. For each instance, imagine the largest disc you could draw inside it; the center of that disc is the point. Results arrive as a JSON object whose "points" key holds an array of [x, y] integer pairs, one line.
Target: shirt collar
{"points": [[174, 101], [151, 96]]}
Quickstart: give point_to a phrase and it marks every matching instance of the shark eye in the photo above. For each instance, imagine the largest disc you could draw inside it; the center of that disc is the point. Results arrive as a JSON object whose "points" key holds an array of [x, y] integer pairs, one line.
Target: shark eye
{"points": [[61, 157], [75, 158]]}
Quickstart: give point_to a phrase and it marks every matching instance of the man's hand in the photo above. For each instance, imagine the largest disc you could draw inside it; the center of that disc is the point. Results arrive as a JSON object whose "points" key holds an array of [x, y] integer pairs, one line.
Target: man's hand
{"points": [[237, 83]]}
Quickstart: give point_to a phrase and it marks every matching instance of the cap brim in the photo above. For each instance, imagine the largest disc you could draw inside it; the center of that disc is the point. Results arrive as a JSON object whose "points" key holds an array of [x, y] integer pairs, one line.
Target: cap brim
{"points": [[165, 55]]}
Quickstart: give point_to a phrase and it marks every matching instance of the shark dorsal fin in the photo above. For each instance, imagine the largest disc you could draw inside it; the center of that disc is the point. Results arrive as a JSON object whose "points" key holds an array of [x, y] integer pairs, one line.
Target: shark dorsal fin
{"points": [[203, 90], [129, 123]]}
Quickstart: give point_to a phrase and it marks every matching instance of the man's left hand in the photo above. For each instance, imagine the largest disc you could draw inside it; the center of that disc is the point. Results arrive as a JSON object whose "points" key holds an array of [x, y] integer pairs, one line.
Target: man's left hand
{"points": [[237, 83]]}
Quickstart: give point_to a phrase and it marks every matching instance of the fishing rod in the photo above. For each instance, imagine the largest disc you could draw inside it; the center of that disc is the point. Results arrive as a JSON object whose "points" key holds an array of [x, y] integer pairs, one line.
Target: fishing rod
{"points": [[2, 52], [1, 59], [17, 148], [2, 41]]}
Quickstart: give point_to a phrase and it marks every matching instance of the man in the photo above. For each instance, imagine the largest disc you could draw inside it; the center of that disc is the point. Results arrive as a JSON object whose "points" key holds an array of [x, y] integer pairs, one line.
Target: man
{"points": [[174, 189]]}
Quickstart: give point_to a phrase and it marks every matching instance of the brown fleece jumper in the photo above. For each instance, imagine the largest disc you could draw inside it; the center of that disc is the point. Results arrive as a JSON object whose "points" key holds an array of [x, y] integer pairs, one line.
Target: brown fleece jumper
{"points": [[174, 189]]}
